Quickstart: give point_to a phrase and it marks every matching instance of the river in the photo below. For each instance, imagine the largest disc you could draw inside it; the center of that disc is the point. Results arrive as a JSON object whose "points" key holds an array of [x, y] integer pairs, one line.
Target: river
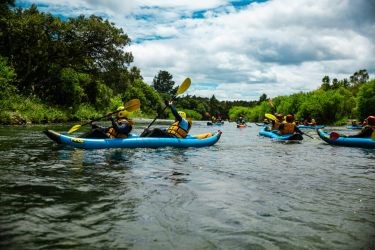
{"points": [[245, 192]]}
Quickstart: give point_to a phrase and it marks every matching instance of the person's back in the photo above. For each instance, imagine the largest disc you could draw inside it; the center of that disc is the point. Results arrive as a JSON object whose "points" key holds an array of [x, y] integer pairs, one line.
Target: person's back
{"points": [[288, 127]]}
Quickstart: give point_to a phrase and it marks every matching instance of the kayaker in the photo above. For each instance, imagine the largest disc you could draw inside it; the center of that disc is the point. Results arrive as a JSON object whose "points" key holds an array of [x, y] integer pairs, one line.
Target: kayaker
{"points": [[179, 128], [288, 126], [275, 123], [241, 121], [368, 129], [122, 125]]}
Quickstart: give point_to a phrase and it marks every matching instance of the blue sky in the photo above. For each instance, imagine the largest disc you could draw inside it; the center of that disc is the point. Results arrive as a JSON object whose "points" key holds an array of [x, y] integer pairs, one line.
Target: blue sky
{"points": [[238, 50]]}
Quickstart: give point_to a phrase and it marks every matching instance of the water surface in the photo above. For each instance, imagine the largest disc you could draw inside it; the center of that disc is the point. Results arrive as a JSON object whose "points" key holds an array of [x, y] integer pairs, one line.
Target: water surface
{"points": [[245, 192]]}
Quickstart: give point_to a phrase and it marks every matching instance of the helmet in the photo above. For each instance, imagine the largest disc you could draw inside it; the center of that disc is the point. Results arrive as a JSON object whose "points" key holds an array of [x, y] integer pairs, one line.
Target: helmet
{"points": [[289, 118], [279, 117], [123, 113], [371, 120], [182, 114]]}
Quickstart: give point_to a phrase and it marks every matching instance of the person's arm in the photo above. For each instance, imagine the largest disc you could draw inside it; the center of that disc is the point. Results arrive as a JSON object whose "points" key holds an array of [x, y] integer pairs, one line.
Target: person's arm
{"points": [[174, 112]]}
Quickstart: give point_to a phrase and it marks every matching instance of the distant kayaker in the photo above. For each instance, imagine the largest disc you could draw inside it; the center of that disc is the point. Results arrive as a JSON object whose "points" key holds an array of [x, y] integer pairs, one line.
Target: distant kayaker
{"points": [[241, 121], [122, 125], [368, 129], [179, 128], [288, 126]]}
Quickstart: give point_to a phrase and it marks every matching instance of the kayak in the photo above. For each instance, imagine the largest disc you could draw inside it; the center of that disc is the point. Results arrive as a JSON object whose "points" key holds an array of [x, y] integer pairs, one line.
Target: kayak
{"points": [[274, 135], [262, 124], [311, 126], [135, 141], [241, 125], [346, 141], [354, 127], [215, 123]]}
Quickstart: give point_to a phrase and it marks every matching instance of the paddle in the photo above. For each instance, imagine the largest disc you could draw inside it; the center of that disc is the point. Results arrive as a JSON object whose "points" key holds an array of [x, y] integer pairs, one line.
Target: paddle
{"points": [[129, 106], [181, 89], [270, 116]]}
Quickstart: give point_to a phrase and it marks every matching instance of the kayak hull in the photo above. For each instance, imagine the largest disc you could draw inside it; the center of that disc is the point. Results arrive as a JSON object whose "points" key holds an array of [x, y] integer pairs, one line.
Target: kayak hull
{"points": [[287, 137], [346, 141], [135, 141], [311, 126], [354, 127], [215, 123]]}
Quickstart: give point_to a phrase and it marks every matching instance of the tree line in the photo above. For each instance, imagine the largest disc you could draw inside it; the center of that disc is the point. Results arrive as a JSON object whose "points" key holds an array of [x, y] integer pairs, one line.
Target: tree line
{"points": [[55, 70]]}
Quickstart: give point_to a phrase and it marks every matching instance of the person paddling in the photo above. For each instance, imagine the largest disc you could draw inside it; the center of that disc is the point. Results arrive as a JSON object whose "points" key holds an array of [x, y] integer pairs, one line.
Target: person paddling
{"points": [[122, 125], [179, 128], [288, 126]]}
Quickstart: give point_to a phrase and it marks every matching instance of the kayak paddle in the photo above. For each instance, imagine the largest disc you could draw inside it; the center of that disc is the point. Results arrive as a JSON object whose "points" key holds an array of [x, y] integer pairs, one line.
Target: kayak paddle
{"points": [[129, 106], [181, 89], [270, 116]]}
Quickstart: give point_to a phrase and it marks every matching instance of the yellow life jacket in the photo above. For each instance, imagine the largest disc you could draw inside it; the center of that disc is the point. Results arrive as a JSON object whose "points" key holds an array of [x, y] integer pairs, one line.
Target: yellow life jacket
{"points": [[177, 131], [288, 128], [111, 132]]}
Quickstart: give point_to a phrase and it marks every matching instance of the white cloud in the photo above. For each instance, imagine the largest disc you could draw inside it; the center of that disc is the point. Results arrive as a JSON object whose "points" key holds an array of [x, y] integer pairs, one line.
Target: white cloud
{"points": [[276, 47]]}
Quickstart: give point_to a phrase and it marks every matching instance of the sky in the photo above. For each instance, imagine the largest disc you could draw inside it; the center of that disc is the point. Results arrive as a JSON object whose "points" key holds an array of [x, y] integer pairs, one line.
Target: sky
{"points": [[239, 49]]}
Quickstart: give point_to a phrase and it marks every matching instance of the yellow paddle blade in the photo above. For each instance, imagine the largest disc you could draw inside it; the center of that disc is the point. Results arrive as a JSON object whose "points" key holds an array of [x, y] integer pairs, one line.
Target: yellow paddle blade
{"points": [[184, 86], [132, 105], [270, 116], [74, 128]]}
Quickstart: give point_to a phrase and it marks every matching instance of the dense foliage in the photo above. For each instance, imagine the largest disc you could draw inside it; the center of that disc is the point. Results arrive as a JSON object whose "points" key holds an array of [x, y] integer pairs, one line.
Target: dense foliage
{"points": [[55, 70]]}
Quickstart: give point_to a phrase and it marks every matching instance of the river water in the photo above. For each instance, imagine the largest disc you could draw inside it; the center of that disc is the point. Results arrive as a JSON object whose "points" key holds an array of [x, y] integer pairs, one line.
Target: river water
{"points": [[245, 192]]}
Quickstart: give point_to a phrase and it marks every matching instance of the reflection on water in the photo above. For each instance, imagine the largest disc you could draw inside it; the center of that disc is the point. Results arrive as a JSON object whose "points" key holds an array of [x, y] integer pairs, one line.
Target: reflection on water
{"points": [[246, 192]]}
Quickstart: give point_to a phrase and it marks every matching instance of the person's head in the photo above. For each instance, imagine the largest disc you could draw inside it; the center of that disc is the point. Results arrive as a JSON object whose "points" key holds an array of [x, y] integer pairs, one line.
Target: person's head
{"points": [[182, 114], [122, 114], [371, 120], [289, 118], [279, 117]]}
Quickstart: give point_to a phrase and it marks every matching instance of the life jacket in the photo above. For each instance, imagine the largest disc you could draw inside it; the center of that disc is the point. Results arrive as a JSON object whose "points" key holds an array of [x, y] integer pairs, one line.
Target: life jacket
{"points": [[288, 128], [177, 131], [111, 132]]}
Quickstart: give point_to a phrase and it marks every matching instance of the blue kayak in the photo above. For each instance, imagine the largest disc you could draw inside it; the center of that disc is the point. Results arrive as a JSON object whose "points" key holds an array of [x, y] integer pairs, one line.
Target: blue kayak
{"points": [[354, 127], [215, 123], [346, 141], [311, 126], [135, 141], [274, 135]]}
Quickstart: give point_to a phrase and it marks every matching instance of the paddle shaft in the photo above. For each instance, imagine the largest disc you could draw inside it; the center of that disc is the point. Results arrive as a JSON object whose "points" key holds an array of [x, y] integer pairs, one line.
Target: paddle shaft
{"points": [[156, 117]]}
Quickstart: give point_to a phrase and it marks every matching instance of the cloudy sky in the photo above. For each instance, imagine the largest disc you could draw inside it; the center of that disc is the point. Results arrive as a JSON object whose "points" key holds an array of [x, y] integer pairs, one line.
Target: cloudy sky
{"points": [[239, 49]]}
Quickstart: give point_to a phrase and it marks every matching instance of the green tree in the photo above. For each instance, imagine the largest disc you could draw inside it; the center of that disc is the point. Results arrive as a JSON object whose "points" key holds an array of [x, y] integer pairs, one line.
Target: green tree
{"points": [[366, 100], [163, 83], [325, 83], [7, 80]]}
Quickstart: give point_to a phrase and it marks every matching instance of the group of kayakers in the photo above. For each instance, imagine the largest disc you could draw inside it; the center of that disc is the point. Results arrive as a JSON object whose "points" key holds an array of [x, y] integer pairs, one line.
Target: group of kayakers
{"points": [[287, 126], [122, 125]]}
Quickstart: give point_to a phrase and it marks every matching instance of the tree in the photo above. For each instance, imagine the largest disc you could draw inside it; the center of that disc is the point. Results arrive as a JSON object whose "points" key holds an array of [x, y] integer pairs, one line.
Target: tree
{"points": [[262, 98], [325, 83], [163, 83], [366, 100]]}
